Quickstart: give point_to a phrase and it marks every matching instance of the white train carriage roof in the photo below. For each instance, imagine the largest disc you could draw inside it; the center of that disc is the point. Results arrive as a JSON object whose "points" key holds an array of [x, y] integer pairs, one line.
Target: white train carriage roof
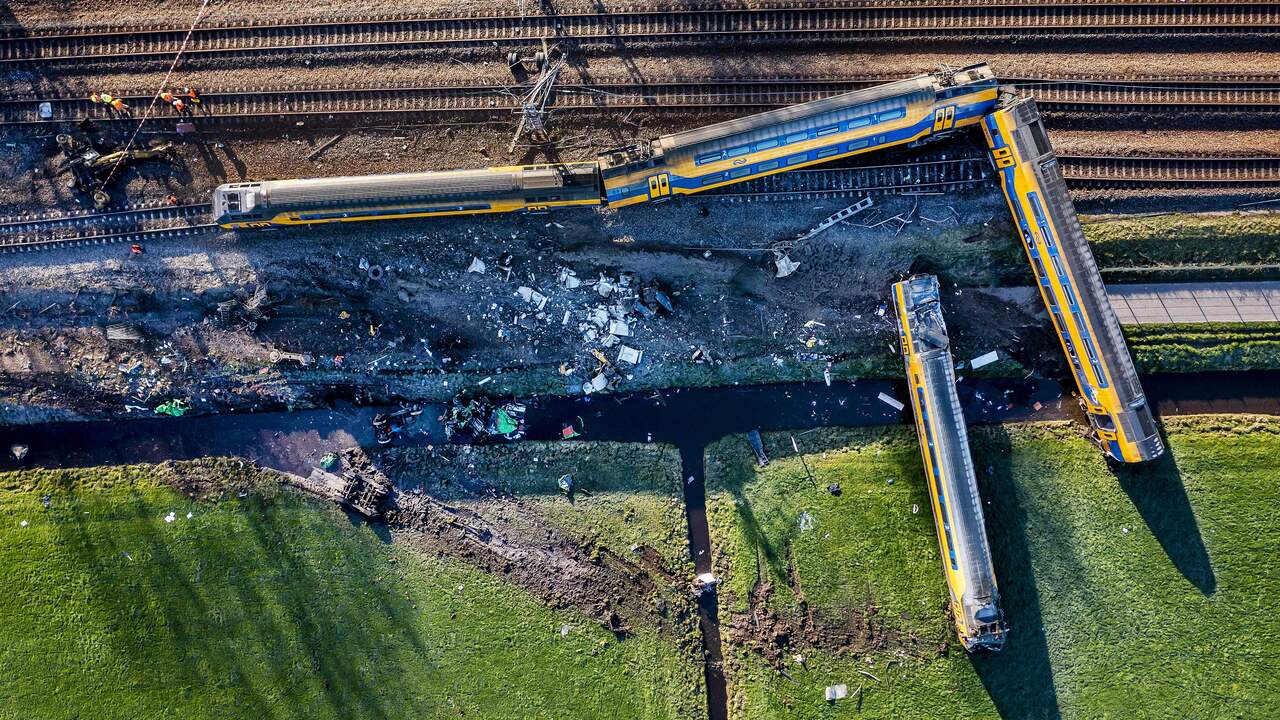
{"points": [[403, 186]]}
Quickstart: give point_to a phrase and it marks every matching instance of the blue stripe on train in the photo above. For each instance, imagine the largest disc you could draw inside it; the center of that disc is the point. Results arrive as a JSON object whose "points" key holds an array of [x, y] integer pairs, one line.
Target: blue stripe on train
{"points": [[962, 111]]}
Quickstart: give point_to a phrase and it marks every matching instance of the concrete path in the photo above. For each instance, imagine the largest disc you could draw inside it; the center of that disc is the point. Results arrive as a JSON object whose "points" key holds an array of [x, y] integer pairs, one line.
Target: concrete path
{"points": [[1196, 302]]}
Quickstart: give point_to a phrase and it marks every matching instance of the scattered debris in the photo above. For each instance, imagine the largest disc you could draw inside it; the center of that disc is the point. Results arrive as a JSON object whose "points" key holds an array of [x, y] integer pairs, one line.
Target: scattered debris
{"points": [[757, 446], [19, 451], [173, 408], [837, 692], [839, 217], [477, 266], [890, 401], [984, 359], [479, 420]]}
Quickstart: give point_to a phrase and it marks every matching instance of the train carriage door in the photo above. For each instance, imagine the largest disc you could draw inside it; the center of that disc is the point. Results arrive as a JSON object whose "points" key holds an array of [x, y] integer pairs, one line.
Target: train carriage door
{"points": [[944, 118], [659, 186]]}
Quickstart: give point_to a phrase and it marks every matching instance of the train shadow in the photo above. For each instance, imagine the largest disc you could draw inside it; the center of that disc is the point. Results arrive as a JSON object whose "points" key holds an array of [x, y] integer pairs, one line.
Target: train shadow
{"points": [[1019, 679], [1156, 490]]}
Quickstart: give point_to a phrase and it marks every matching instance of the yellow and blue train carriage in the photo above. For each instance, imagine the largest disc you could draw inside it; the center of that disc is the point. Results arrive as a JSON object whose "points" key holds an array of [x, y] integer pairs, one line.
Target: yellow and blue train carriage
{"points": [[1069, 282], [948, 465], [896, 113], [405, 195]]}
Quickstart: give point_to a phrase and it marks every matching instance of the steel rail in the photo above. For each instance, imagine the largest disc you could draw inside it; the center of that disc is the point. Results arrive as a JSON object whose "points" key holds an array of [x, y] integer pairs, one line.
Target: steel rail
{"points": [[868, 21], [1052, 94], [22, 224], [24, 243]]}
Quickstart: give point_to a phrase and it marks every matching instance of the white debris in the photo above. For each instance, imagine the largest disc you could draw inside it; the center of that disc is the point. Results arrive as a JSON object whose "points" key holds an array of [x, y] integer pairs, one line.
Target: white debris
{"points": [[891, 402], [564, 631], [706, 580], [986, 359], [477, 266], [837, 692], [595, 384], [170, 517], [22, 524], [627, 354], [786, 266], [619, 328], [19, 451], [189, 516], [525, 292]]}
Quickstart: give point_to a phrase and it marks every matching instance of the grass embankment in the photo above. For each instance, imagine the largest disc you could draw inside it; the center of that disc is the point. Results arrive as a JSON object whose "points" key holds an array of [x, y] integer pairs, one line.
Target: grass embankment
{"points": [[1147, 595], [1185, 247], [273, 605], [625, 493], [1208, 346]]}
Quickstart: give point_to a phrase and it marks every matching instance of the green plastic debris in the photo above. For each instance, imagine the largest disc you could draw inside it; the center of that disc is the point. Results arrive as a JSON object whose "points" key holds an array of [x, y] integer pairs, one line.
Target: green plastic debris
{"points": [[329, 460], [506, 425], [173, 408]]}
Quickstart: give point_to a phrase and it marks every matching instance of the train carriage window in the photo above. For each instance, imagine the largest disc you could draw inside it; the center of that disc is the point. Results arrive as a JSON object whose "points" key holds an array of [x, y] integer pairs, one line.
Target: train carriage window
{"points": [[1057, 267], [710, 157], [1038, 136], [828, 152], [1103, 422], [1042, 275], [797, 137], [797, 159], [1071, 297], [737, 151], [859, 122], [712, 179], [892, 115], [767, 166], [856, 145], [740, 172], [766, 144], [233, 202], [828, 130]]}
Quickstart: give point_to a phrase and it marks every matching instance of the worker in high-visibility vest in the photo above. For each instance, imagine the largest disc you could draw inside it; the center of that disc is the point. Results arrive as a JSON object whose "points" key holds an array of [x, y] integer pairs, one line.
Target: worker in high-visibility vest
{"points": [[167, 97], [109, 101], [179, 106], [120, 107]]}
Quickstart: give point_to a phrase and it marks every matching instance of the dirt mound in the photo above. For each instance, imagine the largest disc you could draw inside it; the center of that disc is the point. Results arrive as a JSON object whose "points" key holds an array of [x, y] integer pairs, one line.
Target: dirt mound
{"points": [[515, 543], [778, 637]]}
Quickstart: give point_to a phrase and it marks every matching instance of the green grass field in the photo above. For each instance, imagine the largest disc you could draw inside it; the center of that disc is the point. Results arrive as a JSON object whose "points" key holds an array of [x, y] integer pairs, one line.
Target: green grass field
{"points": [[276, 606], [1131, 594], [1205, 346]]}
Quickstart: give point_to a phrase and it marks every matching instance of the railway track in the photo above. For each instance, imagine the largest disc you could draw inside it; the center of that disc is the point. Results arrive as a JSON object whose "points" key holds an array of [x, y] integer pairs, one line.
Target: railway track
{"points": [[80, 229], [863, 21], [1104, 95], [1237, 172]]}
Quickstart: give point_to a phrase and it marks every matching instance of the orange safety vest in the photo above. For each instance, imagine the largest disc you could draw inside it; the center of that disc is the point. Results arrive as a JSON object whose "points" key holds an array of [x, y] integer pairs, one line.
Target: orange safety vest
{"points": [[177, 105], [119, 104], [166, 96]]}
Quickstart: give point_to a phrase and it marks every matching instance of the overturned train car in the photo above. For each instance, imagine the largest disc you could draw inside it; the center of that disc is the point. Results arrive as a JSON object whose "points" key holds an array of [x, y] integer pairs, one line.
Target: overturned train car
{"points": [[948, 466], [1069, 282]]}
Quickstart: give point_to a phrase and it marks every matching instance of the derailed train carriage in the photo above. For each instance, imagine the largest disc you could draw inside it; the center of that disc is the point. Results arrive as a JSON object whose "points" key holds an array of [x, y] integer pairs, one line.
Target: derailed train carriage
{"points": [[1069, 282], [948, 465], [896, 113]]}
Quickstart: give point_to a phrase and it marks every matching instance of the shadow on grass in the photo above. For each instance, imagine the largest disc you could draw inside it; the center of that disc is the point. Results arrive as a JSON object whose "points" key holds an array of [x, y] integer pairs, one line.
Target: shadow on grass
{"points": [[1155, 488], [237, 609], [1020, 678]]}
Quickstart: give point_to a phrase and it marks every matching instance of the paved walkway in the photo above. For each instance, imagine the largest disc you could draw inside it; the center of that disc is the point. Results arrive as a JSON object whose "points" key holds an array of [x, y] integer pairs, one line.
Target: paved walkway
{"points": [[1196, 302]]}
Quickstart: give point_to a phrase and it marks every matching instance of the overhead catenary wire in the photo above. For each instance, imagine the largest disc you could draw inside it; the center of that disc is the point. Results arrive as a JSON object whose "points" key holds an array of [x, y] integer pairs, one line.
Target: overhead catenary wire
{"points": [[155, 97]]}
